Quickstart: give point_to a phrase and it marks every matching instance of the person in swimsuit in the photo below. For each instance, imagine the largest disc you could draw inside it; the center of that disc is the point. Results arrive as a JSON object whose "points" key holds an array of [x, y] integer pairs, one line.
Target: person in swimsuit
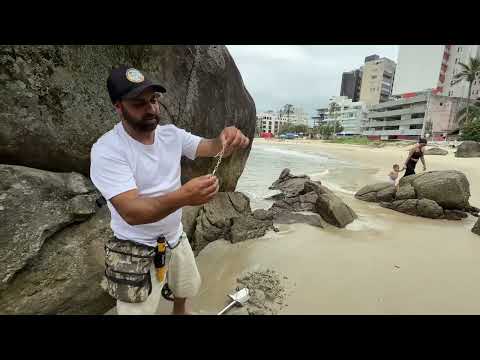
{"points": [[413, 156], [393, 175]]}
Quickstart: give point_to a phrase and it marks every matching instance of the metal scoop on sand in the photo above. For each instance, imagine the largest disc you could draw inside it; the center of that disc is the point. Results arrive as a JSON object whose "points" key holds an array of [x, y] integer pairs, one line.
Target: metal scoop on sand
{"points": [[239, 298]]}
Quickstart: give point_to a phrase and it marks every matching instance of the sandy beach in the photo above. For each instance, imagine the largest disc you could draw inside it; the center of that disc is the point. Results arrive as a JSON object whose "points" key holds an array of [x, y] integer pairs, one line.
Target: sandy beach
{"points": [[385, 262]]}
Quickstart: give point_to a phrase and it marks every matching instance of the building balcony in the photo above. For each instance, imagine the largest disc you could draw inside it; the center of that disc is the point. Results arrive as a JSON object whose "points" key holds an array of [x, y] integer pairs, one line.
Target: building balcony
{"points": [[412, 132], [377, 123], [385, 114]]}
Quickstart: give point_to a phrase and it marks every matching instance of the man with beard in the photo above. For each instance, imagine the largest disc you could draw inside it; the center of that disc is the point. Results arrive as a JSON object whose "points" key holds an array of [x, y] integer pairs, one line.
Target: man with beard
{"points": [[136, 167]]}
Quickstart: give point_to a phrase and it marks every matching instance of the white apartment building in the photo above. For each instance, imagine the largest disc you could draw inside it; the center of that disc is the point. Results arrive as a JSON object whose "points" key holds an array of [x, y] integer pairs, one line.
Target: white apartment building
{"points": [[452, 55], [350, 114], [269, 122], [417, 68], [297, 117], [408, 118], [377, 80]]}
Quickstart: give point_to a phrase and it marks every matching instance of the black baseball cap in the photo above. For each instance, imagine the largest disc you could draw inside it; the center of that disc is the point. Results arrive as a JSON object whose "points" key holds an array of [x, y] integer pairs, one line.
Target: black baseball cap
{"points": [[127, 82]]}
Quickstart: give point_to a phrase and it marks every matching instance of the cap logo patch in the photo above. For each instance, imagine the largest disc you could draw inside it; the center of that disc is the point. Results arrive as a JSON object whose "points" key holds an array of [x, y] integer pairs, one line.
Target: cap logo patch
{"points": [[134, 75]]}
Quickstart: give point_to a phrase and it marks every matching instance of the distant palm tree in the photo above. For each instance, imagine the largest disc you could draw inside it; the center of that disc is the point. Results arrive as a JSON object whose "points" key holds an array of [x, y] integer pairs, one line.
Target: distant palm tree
{"points": [[473, 113], [469, 73]]}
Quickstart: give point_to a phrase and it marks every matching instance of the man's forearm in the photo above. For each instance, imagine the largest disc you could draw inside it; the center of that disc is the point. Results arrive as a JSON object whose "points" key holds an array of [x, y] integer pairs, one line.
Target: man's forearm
{"points": [[145, 210], [209, 147]]}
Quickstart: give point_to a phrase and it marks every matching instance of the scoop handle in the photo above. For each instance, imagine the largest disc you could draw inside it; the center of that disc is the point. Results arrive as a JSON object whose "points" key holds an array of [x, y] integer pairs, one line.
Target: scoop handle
{"points": [[227, 308]]}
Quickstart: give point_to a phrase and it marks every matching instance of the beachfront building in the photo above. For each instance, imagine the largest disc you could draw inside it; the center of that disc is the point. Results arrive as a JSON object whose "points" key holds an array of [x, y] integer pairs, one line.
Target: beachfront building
{"points": [[296, 116], [377, 80], [412, 116], [351, 84], [269, 122], [417, 68], [451, 57], [349, 113]]}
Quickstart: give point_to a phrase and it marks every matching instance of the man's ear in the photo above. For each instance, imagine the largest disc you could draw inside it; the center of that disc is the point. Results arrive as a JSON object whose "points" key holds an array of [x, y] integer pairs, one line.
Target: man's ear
{"points": [[118, 108]]}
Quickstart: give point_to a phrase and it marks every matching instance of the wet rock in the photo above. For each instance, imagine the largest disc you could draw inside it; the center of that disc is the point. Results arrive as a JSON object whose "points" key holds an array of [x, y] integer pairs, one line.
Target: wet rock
{"points": [[369, 192], [227, 216], [455, 215]]}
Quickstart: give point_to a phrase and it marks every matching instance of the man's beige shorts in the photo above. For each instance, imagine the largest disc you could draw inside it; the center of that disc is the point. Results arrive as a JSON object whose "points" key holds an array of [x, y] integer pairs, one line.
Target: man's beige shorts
{"points": [[182, 273]]}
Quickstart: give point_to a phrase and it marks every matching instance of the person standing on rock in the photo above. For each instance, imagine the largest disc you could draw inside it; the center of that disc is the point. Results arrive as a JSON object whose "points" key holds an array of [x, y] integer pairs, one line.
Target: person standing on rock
{"points": [[416, 153], [136, 167]]}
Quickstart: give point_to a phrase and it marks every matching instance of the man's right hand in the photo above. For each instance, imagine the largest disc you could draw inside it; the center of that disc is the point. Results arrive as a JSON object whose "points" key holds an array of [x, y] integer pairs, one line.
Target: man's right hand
{"points": [[200, 190]]}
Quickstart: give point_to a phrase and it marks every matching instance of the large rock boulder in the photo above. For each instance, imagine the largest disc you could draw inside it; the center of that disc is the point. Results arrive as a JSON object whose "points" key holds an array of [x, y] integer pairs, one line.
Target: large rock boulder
{"points": [[450, 189], [228, 216], [435, 151], [468, 149], [434, 194], [34, 205], [370, 192], [290, 185], [476, 227], [302, 194], [54, 104], [51, 243], [424, 207]]}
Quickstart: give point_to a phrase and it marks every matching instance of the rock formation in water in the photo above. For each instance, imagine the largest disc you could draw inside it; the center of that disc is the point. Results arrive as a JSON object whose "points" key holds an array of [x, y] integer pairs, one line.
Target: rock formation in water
{"points": [[302, 194], [433, 194]]}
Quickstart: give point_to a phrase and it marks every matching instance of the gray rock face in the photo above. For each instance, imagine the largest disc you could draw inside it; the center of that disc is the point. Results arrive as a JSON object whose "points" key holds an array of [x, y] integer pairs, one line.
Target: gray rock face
{"points": [[51, 243], [289, 184], [35, 205], [64, 275], [405, 192], [468, 149], [369, 192], [476, 227], [302, 194], [450, 189], [435, 151], [227, 216], [54, 104]]}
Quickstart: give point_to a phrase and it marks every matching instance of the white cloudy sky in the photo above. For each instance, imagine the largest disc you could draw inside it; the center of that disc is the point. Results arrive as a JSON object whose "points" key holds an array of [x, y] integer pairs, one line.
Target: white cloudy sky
{"points": [[303, 75]]}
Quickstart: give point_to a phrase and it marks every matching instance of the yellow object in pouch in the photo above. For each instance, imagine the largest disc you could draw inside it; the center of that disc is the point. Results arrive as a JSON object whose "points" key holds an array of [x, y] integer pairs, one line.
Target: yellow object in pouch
{"points": [[159, 259]]}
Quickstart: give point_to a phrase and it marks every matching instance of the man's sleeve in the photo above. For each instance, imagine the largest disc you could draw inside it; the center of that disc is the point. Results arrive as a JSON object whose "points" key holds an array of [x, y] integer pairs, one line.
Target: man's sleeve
{"points": [[110, 173], [189, 143]]}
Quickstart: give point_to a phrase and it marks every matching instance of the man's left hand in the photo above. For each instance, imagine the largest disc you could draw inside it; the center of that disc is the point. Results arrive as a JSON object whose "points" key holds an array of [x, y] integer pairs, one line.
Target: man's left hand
{"points": [[233, 139]]}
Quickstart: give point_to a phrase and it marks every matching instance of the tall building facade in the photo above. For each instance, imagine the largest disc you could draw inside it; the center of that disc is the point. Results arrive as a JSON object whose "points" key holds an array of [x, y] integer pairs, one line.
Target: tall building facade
{"points": [[417, 68], [351, 84], [269, 122], [377, 80], [451, 57]]}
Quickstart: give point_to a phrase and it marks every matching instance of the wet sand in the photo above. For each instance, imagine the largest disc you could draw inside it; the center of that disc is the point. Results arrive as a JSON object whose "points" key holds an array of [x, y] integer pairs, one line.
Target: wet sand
{"points": [[383, 263]]}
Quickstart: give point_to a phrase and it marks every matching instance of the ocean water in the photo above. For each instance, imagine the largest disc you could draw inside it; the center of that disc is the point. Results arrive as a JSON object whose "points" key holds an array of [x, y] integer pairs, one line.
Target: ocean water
{"points": [[267, 160]]}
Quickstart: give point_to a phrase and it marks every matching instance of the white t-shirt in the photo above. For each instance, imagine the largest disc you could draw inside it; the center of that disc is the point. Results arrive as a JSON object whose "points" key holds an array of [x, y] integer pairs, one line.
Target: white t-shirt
{"points": [[120, 163]]}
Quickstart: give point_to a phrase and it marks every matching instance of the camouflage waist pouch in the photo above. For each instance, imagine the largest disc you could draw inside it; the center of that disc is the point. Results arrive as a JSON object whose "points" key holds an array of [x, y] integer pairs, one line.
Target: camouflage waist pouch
{"points": [[127, 270]]}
